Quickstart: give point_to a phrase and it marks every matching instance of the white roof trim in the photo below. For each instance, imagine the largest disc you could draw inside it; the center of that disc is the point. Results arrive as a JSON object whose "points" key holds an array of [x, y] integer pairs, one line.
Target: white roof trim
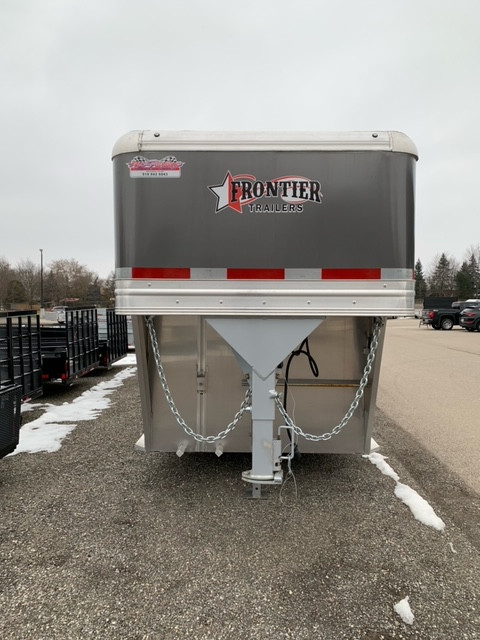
{"points": [[144, 140]]}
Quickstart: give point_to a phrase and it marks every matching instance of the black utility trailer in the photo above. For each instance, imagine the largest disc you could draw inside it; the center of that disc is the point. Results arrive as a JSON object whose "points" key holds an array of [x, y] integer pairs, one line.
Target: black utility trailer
{"points": [[70, 350], [20, 371], [10, 403], [20, 352], [112, 336]]}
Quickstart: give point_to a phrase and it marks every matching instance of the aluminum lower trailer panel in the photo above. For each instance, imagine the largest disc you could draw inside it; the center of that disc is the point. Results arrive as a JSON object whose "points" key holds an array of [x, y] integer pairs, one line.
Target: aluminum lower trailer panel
{"points": [[208, 385]]}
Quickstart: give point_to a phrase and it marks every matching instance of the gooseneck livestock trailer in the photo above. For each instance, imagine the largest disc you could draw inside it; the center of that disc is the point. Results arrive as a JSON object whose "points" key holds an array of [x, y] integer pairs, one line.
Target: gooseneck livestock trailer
{"points": [[259, 269]]}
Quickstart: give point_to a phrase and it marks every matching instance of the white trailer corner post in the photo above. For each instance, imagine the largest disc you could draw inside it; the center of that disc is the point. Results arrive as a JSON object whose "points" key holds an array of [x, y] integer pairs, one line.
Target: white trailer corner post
{"points": [[259, 270]]}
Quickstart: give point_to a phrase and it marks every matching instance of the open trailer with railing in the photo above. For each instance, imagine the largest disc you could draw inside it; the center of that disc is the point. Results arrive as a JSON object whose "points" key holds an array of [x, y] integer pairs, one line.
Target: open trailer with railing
{"points": [[112, 337], [20, 371], [70, 348], [20, 352], [10, 416], [259, 270]]}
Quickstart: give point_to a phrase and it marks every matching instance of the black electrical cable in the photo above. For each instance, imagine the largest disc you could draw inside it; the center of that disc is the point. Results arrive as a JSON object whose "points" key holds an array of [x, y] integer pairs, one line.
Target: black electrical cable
{"points": [[313, 368], [297, 352]]}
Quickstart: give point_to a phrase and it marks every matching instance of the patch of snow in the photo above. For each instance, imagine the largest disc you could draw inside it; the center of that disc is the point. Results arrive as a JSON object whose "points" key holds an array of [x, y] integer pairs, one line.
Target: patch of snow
{"points": [[379, 461], [420, 508], [129, 360], [450, 544], [402, 608], [42, 435], [47, 432], [27, 407]]}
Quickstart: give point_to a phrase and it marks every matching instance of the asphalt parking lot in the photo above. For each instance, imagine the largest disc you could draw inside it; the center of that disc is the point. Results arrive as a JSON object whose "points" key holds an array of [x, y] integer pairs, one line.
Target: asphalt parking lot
{"points": [[100, 541]]}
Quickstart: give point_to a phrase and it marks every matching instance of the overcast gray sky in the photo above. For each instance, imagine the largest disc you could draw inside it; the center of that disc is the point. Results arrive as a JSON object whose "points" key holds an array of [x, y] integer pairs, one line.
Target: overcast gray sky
{"points": [[78, 74]]}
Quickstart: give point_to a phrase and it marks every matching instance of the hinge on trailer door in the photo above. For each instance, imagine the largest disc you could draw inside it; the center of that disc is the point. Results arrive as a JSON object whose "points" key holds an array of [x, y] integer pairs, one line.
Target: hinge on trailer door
{"points": [[201, 382]]}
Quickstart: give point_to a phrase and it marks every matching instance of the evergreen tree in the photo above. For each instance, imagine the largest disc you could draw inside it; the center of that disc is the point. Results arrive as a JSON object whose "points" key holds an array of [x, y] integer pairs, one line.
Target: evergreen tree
{"points": [[468, 276], [464, 282], [420, 282], [108, 290], [474, 272], [442, 280]]}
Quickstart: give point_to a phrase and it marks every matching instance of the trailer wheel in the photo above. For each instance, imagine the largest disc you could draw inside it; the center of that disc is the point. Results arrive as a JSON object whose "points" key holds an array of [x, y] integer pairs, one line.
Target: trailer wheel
{"points": [[436, 326], [446, 324]]}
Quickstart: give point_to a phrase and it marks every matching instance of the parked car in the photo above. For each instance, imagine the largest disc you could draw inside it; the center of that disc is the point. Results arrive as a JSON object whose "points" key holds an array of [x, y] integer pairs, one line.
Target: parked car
{"points": [[470, 319]]}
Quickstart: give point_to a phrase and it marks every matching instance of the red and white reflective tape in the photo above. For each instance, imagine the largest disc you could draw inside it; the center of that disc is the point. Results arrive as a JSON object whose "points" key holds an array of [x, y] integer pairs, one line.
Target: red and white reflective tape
{"points": [[191, 273]]}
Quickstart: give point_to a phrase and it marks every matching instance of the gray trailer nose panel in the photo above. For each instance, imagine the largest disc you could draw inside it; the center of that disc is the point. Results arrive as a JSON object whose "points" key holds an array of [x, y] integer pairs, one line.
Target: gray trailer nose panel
{"points": [[363, 220]]}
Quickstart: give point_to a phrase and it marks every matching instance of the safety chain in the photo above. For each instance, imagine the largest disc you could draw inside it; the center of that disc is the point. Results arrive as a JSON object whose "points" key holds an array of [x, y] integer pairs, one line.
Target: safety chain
{"points": [[358, 396], [173, 408]]}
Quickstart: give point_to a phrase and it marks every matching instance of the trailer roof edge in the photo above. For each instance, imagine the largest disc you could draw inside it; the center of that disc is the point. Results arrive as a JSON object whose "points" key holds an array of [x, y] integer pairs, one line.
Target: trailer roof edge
{"points": [[158, 140]]}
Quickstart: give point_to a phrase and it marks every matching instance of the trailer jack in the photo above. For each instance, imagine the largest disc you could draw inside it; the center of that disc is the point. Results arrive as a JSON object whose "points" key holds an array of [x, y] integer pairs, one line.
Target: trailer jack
{"points": [[259, 344], [278, 457]]}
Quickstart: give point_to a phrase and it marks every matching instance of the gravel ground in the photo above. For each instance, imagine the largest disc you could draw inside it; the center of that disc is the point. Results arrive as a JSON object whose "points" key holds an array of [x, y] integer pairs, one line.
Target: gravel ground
{"points": [[100, 541]]}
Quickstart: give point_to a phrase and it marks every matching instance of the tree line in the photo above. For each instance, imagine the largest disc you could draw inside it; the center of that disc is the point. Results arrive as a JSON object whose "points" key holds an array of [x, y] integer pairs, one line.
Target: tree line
{"points": [[62, 283], [447, 277]]}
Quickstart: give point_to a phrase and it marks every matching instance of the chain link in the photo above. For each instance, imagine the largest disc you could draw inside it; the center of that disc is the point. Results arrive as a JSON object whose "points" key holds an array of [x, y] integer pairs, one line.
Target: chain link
{"points": [[356, 400], [171, 403]]}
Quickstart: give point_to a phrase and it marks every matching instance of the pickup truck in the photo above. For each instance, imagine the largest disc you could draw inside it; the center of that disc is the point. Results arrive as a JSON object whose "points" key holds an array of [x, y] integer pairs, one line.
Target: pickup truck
{"points": [[446, 319]]}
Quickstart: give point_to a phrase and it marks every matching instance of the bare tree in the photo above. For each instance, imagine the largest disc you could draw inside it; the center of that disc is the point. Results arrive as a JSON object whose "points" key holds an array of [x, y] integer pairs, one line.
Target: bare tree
{"points": [[28, 275], [6, 276], [473, 250], [68, 281]]}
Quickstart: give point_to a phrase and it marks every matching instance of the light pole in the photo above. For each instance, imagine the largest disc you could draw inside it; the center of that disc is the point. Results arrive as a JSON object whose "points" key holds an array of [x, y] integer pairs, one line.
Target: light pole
{"points": [[41, 278]]}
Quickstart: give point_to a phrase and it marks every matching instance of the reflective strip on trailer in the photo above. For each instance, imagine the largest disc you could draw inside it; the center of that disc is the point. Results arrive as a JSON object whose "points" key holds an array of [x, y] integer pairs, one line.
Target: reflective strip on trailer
{"points": [[192, 273]]}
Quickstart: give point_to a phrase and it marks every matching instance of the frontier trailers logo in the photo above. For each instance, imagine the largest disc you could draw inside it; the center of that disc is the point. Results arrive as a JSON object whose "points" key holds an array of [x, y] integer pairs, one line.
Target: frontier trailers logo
{"points": [[241, 190]]}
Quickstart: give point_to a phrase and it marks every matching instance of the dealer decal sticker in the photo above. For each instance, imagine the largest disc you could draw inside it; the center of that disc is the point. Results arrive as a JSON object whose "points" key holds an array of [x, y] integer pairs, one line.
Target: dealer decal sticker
{"points": [[236, 192], [168, 167]]}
